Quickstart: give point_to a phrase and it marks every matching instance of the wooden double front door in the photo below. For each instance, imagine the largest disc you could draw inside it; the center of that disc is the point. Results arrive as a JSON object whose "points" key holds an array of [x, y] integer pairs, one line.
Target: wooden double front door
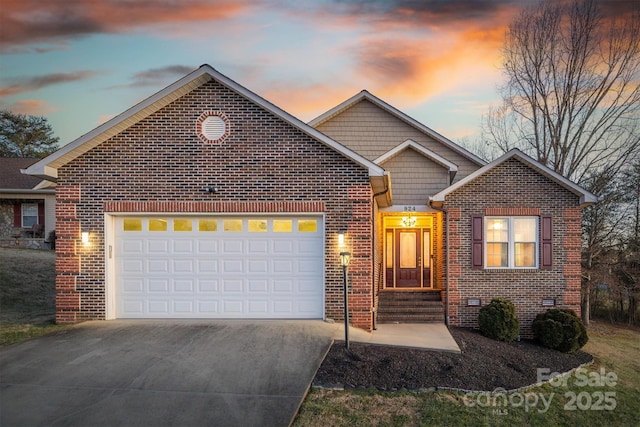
{"points": [[409, 258]]}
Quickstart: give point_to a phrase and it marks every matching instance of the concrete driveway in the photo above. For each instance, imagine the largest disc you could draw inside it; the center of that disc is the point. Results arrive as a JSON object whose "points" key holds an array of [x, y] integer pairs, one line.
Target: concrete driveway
{"points": [[157, 373]]}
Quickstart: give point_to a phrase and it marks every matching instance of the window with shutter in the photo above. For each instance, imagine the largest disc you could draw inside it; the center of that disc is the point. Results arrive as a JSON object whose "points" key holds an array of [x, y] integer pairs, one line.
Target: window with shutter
{"points": [[505, 242]]}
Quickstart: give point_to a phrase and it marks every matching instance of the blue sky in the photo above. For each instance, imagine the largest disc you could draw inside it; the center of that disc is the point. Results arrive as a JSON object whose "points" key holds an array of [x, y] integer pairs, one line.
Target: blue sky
{"points": [[80, 62]]}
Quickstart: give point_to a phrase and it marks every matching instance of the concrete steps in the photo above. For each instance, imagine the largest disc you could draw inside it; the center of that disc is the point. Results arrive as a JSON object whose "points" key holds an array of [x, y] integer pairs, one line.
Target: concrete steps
{"points": [[410, 307]]}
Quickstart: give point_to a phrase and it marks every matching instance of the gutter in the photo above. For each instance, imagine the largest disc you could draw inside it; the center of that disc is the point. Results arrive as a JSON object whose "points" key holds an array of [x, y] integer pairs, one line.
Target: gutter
{"points": [[373, 250], [26, 191], [446, 262]]}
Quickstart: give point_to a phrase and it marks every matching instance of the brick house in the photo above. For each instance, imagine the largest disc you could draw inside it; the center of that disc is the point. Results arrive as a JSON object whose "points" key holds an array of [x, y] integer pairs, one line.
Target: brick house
{"points": [[207, 201], [27, 204]]}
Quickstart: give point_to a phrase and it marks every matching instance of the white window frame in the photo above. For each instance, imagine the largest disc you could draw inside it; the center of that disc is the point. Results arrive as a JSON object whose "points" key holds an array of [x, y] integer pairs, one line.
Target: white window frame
{"points": [[22, 213], [511, 251]]}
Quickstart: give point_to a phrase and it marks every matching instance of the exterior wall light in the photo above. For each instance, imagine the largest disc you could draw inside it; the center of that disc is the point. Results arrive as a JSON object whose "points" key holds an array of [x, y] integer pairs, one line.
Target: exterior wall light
{"points": [[341, 239], [84, 237]]}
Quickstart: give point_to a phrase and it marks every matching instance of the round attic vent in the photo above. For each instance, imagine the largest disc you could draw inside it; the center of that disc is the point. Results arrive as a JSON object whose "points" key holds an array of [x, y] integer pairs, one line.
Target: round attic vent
{"points": [[212, 127]]}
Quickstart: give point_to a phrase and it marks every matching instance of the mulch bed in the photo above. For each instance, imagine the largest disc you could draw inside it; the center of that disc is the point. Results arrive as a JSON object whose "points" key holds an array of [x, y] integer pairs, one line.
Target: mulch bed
{"points": [[484, 365]]}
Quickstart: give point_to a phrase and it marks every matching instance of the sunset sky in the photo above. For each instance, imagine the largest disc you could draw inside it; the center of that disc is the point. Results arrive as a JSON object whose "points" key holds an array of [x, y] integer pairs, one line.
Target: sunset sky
{"points": [[81, 62]]}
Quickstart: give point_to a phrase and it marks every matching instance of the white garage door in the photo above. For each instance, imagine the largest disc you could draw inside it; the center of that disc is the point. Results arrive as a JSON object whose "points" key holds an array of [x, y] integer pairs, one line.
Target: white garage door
{"points": [[219, 267]]}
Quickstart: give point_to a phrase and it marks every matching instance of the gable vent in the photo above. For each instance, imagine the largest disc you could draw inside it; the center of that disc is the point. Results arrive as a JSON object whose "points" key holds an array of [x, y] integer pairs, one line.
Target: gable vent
{"points": [[212, 127]]}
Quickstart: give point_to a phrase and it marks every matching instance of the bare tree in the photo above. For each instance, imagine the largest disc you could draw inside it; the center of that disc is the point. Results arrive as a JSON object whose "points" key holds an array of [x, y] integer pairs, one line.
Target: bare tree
{"points": [[572, 101], [572, 94]]}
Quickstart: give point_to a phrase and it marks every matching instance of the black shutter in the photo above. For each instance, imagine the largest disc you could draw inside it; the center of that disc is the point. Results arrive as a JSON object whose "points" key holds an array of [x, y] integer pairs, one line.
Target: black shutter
{"points": [[546, 243], [477, 246]]}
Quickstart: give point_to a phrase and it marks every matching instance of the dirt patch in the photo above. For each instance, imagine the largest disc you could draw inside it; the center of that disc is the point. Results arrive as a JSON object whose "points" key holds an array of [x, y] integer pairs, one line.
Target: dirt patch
{"points": [[484, 364], [27, 285]]}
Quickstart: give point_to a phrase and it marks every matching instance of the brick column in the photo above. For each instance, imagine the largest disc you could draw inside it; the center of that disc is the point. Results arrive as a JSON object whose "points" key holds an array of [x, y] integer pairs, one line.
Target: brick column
{"points": [[360, 272], [67, 259]]}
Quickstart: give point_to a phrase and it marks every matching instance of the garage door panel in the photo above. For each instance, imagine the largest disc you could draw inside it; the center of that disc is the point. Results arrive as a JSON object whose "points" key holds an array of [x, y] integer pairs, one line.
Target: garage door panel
{"points": [[183, 266], [235, 269], [232, 246], [208, 285], [157, 266], [232, 285], [183, 246], [133, 266], [232, 266], [258, 247], [207, 246], [207, 266], [158, 246]]}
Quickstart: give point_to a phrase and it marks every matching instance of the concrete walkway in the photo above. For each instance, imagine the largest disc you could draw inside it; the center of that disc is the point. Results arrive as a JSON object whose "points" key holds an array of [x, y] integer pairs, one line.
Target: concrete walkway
{"points": [[428, 336]]}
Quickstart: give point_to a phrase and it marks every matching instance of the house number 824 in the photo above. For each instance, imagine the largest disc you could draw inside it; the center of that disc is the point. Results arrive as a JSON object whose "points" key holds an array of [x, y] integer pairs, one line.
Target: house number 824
{"points": [[409, 208]]}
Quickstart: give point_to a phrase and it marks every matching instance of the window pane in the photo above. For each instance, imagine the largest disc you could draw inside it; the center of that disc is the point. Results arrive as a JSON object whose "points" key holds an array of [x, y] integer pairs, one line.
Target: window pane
{"points": [[497, 255], [157, 225], [427, 249], [132, 224], [525, 255], [497, 230], [182, 225], [525, 229], [232, 225], [258, 225], [29, 214], [207, 225], [282, 225], [389, 250], [307, 225]]}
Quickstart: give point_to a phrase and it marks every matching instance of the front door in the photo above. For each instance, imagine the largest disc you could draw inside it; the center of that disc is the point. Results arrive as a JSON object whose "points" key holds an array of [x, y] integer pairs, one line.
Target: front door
{"points": [[408, 258]]}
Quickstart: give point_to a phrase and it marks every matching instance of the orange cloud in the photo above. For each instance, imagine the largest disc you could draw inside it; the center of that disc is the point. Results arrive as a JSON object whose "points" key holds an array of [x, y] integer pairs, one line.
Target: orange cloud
{"points": [[32, 107], [36, 21]]}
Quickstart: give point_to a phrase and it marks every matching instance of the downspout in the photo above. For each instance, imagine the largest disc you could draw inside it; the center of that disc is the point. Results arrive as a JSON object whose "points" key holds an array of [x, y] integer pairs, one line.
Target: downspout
{"points": [[446, 263], [373, 249]]}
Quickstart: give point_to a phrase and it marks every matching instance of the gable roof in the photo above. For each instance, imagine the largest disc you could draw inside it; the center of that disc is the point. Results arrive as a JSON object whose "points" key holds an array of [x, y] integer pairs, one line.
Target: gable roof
{"points": [[409, 144], [366, 95], [10, 176], [47, 168], [586, 197]]}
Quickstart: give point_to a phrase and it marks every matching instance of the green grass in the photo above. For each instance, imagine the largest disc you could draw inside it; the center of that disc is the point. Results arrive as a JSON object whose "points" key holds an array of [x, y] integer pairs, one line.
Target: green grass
{"points": [[616, 350], [27, 294]]}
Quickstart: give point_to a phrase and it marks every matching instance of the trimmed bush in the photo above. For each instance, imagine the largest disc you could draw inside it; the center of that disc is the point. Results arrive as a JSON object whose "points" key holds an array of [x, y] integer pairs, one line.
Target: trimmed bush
{"points": [[560, 329], [498, 320]]}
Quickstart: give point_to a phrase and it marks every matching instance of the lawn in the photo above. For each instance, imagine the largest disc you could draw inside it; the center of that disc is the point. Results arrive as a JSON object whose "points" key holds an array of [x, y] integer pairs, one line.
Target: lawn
{"points": [[27, 294], [605, 393]]}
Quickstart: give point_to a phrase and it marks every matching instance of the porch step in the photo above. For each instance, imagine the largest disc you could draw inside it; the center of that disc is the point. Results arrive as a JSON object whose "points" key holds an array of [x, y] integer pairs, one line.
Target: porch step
{"points": [[410, 307]]}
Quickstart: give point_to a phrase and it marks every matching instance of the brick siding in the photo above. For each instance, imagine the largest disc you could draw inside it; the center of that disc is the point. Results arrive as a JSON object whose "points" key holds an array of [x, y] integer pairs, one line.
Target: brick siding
{"points": [[160, 165], [512, 188]]}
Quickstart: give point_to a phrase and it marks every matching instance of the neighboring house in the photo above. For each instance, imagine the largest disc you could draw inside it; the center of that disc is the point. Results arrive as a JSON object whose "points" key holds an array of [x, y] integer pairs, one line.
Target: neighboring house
{"points": [[27, 203], [207, 201]]}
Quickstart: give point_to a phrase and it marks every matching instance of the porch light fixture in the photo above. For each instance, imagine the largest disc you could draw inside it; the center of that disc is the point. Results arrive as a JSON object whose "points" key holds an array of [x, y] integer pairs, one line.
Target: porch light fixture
{"points": [[408, 221], [345, 258], [84, 237]]}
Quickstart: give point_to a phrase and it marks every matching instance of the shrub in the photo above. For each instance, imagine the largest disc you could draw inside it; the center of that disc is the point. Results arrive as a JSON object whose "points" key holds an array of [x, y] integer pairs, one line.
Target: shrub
{"points": [[560, 329], [498, 320]]}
